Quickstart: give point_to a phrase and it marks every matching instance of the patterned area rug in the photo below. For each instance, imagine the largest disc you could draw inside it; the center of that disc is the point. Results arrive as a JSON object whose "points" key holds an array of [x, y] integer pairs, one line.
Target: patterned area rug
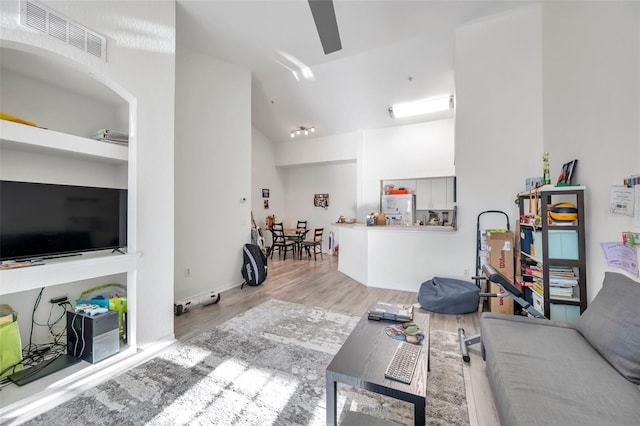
{"points": [[264, 367]]}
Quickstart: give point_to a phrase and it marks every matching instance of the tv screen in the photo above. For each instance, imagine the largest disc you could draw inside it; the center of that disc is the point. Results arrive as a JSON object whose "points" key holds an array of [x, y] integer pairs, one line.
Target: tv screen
{"points": [[45, 220]]}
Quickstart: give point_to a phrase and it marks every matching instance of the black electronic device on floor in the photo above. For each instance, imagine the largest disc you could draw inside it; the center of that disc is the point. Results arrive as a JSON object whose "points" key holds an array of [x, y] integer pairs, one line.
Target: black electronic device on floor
{"points": [[92, 337], [43, 369]]}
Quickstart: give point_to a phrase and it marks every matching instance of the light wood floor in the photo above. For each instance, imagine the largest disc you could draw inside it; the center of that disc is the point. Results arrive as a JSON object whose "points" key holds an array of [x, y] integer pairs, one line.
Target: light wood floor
{"points": [[320, 284]]}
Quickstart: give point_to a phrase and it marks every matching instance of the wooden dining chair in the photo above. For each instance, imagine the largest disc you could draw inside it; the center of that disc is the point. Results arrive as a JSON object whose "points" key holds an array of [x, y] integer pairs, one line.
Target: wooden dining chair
{"points": [[315, 244], [300, 234], [280, 241]]}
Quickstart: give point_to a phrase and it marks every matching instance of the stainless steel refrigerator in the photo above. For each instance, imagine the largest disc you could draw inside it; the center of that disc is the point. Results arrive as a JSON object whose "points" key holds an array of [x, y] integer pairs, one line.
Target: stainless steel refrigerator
{"points": [[399, 209]]}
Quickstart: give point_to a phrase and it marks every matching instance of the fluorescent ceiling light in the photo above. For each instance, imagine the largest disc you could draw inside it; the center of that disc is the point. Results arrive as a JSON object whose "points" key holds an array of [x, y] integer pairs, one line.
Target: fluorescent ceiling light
{"points": [[423, 106]]}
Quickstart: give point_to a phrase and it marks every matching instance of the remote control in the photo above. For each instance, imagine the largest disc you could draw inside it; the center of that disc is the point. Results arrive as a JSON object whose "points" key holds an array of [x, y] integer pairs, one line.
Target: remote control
{"points": [[90, 309]]}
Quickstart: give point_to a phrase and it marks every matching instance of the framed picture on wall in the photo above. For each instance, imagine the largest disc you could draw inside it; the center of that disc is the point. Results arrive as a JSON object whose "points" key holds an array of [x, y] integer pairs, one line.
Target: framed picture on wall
{"points": [[321, 200], [266, 204], [265, 193]]}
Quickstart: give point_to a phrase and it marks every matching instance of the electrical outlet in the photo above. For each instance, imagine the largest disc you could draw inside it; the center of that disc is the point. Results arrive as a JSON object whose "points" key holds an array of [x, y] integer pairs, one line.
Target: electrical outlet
{"points": [[58, 300], [187, 272], [466, 272]]}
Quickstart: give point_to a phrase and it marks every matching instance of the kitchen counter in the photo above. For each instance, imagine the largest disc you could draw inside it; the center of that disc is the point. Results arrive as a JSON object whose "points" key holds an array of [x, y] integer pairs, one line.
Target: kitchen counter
{"points": [[397, 257], [398, 227]]}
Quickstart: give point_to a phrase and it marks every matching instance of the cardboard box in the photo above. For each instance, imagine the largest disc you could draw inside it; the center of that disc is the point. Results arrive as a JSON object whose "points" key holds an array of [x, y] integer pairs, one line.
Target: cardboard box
{"points": [[501, 256], [502, 305], [500, 251]]}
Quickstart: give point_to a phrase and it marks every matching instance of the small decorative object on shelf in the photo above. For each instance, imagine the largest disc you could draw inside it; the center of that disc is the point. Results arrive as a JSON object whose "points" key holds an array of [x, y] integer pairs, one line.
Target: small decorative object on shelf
{"points": [[270, 220], [632, 180], [545, 168], [106, 135], [9, 117], [568, 170]]}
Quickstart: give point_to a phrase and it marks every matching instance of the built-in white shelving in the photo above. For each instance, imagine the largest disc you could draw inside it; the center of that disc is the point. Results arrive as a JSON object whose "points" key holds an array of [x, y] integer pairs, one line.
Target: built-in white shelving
{"points": [[30, 138], [65, 270], [20, 403]]}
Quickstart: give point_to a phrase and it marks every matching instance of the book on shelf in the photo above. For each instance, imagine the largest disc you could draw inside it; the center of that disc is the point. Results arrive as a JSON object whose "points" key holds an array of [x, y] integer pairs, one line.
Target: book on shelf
{"points": [[563, 281], [538, 288], [390, 311], [534, 272], [522, 282], [563, 270], [560, 291], [108, 135]]}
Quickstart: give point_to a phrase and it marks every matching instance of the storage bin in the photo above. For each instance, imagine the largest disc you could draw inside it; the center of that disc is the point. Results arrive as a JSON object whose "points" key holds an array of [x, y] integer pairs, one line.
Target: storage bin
{"points": [[566, 313], [526, 241], [562, 245]]}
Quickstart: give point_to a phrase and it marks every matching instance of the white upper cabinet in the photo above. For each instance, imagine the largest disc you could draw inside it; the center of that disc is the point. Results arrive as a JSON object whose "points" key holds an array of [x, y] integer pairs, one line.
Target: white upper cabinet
{"points": [[435, 193]]}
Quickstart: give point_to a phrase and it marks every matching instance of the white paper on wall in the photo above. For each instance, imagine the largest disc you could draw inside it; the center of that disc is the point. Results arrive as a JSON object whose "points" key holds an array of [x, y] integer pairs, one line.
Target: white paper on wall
{"points": [[636, 211], [620, 256], [621, 200]]}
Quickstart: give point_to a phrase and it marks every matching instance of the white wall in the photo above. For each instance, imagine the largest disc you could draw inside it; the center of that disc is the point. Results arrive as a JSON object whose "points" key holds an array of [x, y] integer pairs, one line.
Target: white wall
{"points": [[293, 186], [337, 180], [591, 70], [141, 69], [404, 152], [401, 152], [526, 82], [213, 172], [498, 119], [44, 168], [264, 175], [418, 150], [40, 102], [305, 150], [562, 78]]}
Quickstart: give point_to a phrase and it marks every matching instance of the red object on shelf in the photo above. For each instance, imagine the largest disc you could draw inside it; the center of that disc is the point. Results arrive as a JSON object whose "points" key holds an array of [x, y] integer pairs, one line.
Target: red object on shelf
{"points": [[398, 191]]}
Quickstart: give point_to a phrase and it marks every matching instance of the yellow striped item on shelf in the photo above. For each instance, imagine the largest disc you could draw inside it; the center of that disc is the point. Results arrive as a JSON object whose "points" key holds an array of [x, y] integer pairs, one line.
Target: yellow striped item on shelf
{"points": [[9, 117]]}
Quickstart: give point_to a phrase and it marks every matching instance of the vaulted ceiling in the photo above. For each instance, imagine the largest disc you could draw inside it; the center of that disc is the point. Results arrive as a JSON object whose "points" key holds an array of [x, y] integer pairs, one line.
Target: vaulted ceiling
{"points": [[392, 51]]}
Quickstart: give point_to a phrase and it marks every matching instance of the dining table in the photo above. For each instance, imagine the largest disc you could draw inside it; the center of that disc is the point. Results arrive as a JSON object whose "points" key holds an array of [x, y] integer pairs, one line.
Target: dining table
{"points": [[297, 235]]}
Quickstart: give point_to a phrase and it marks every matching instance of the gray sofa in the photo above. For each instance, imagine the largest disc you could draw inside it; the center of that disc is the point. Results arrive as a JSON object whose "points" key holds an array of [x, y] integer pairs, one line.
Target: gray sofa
{"points": [[550, 373]]}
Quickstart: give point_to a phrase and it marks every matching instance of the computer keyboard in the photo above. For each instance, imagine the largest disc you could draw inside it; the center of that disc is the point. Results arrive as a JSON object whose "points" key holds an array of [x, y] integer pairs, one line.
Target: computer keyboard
{"points": [[403, 362]]}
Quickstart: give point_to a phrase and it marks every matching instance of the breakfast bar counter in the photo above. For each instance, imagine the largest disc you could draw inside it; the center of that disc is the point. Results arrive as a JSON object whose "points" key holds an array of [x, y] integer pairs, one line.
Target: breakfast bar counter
{"points": [[396, 257]]}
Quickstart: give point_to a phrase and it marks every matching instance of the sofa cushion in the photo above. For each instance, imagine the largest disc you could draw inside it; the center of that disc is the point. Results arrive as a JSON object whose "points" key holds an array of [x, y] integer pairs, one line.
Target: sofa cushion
{"points": [[545, 373], [611, 324]]}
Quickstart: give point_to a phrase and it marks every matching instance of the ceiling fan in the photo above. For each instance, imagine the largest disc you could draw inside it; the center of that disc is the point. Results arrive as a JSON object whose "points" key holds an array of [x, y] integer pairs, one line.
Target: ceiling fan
{"points": [[324, 15]]}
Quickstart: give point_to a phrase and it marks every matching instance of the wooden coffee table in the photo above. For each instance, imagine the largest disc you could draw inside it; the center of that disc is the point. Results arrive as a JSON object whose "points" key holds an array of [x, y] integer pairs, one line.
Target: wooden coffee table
{"points": [[363, 359]]}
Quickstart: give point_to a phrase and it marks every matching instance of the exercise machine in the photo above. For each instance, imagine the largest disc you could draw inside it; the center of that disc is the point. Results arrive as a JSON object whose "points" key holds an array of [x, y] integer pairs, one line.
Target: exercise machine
{"points": [[493, 275]]}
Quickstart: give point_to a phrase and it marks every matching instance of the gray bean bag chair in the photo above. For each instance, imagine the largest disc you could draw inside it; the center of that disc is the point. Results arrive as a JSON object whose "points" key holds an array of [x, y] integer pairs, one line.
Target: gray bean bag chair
{"points": [[449, 296]]}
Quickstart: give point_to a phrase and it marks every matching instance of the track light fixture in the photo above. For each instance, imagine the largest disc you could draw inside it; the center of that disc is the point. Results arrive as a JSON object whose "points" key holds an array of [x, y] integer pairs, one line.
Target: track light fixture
{"points": [[302, 131]]}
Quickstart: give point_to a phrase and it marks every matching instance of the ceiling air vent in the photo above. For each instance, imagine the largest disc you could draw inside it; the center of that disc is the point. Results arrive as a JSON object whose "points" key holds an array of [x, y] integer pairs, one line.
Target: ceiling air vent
{"points": [[53, 24]]}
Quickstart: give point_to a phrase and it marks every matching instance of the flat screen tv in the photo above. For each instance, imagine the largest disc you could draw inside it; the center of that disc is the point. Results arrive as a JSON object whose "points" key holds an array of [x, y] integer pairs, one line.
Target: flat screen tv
{"points": [[39, 220]]}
